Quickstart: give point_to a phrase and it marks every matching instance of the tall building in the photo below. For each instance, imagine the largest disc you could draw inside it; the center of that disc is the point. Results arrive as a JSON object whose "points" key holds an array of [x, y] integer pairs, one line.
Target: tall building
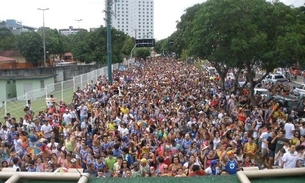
{"points": [[134, 17], [16, 26]]}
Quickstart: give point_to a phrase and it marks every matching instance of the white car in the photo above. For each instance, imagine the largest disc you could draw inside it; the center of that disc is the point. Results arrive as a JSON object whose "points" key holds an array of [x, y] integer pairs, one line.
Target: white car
{"points": [[275, 78], [262, 92]]}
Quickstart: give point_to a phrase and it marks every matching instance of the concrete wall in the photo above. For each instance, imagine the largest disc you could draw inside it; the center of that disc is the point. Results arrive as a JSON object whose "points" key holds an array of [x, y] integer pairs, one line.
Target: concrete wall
{"points": [[68, 71], [10, 89], [35, 86], [3, 94]]}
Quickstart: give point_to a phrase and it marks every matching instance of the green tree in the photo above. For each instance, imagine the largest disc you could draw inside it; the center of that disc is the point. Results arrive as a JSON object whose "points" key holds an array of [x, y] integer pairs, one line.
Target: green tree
{"points": [[30, 46], [240, 34], [142, 52], [79, 46], [8, 40]]}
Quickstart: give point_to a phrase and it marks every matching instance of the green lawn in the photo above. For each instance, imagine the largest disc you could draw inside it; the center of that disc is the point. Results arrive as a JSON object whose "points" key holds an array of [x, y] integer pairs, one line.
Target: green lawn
{"points": [[15, 107]]}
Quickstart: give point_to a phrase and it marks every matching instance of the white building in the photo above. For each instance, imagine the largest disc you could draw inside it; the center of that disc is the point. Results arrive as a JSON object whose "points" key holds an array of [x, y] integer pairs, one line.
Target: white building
{"points": [[70, 30], [134, 17]]}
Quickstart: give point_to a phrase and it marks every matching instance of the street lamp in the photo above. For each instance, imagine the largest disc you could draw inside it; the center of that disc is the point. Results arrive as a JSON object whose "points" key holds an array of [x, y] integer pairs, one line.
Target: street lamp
{"points": [[78, 20], [44, 37]]}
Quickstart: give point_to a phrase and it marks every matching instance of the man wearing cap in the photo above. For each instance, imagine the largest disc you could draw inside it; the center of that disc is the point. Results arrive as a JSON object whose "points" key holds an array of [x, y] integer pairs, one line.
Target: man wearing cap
{"points": [[231, 164], [213, 169], [136, 172], [73, 164], [144, 167]]}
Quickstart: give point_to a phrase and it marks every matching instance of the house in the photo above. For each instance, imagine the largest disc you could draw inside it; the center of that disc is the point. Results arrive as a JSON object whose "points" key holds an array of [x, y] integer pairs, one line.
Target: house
{"points": [[7, 62], [25, 87], [20, 60]]}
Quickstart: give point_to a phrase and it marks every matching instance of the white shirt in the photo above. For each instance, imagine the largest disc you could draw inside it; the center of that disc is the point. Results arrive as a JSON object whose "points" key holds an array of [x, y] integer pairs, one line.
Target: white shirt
{"points": [[290, 160], [18, 145], [46, 129], [208, 171], [289, 129], [67, 118], [264, 136]]}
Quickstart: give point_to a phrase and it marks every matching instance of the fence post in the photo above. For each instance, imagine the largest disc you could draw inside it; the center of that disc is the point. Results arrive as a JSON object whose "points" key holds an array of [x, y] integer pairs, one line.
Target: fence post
{"points": [[5, 107], [81, 81], [26, 98], [74, 89], [62, 91], [46, 91]]}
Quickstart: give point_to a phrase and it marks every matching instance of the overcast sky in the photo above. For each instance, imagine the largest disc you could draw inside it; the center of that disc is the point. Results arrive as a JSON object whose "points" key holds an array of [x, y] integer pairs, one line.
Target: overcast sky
{"points": [[64, 13]]}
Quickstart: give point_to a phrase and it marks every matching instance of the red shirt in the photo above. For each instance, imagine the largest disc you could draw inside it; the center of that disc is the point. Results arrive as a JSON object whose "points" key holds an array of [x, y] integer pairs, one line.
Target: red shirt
{"points": [[197, 173]]}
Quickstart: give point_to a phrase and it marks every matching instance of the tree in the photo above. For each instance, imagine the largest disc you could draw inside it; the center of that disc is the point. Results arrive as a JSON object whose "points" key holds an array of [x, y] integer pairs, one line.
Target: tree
{"points": [[30, 46], [143, 52], [240, 34], [8, 40]]}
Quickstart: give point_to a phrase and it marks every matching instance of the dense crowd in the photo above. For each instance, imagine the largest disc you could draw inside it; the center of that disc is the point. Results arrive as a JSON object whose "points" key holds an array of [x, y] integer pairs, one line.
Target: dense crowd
{"points": [[158, 118]]}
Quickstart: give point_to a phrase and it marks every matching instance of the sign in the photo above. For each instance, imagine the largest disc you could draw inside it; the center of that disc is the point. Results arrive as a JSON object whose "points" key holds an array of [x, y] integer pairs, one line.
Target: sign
{"points": [[145, 43]]}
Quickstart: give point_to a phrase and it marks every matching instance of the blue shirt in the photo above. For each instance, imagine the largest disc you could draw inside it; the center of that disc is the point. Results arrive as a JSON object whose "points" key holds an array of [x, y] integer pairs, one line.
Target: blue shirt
{"points": [[231, 167]]}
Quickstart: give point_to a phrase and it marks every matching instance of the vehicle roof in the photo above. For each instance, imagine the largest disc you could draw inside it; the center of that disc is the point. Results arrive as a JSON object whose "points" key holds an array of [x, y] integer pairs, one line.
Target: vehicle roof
{"points": [[261, 89]]}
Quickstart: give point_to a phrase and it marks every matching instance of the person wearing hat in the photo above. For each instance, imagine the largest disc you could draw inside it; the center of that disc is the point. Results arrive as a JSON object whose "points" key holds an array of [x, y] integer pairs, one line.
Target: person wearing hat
{"points": [[136, 172], [213, 169], [231, 164], [144, 167], [73, 164]]}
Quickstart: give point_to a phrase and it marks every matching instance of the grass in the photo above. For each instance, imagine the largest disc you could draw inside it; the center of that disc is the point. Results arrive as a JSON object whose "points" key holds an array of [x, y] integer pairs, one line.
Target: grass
{"points": [[15, 107]]}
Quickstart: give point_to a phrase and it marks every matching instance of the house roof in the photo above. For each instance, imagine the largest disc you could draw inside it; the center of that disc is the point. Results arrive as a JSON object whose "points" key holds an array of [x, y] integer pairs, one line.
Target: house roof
{"points": [[10, 53], [68, 54], [6, 59]]}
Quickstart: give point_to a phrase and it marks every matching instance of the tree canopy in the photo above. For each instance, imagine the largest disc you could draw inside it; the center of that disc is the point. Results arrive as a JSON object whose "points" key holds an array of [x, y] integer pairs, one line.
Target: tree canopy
{"points": [[85, 46], [242, 34]]}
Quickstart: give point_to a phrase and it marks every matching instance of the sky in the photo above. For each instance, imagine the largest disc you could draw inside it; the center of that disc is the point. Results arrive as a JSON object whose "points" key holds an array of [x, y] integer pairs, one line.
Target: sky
{"points": [[64, 13]]}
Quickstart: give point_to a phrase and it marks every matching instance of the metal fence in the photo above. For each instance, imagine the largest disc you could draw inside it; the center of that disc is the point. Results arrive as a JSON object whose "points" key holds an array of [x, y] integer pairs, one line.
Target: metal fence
{"points": [[62, 91]]}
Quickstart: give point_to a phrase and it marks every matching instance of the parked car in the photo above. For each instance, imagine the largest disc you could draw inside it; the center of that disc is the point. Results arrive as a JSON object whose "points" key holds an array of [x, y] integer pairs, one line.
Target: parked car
{"points": [[275, 78], [262, 92]]}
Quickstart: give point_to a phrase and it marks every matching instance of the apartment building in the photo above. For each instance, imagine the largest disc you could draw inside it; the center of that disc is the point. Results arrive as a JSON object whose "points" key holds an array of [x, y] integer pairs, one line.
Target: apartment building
{"points": [[134, 17]]}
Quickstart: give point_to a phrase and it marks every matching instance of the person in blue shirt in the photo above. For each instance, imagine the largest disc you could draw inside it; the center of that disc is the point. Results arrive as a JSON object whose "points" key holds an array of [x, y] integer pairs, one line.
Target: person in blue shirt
{"points": [[231, 164], [31, 166], [117, 151]]}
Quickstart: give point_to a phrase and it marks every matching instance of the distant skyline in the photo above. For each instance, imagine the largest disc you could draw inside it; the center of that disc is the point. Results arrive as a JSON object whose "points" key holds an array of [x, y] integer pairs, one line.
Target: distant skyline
{"points": [[64, 13]]}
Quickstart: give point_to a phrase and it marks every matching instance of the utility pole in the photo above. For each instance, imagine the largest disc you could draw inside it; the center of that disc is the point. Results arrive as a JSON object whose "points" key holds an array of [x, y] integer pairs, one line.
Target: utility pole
{"points": [[109, 43], [44, 37]]}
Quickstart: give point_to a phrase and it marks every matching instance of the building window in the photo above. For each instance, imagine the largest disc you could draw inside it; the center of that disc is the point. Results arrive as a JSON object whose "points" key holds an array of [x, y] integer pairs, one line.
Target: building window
{"points": [[127, 30]]}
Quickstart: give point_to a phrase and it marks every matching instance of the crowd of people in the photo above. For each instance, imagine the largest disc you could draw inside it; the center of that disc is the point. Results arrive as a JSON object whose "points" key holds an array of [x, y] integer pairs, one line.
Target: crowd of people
{"points": [[159, 118]]}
